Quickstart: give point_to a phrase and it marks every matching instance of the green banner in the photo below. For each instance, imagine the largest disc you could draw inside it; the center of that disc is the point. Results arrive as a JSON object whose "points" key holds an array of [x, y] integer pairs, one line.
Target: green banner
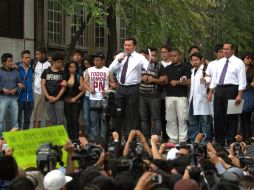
{"points": [[26, 143]]}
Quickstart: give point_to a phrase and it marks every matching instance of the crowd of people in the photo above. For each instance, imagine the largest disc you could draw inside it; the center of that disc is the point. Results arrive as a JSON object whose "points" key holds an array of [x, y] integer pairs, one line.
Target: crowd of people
{"points": [[169, 116]]}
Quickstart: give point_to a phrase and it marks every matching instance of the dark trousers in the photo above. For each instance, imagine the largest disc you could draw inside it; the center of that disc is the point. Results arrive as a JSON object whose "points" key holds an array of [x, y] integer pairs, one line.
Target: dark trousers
{"points": [[150, 111], [163, 120], [25, 112], [225, 126], [129, 100], [246, 126], [71, 111]]}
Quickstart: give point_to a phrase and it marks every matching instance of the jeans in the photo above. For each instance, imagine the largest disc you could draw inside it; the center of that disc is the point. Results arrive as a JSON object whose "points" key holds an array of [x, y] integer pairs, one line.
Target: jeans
{"points": [[176, 116], [98, 127], [8, 103], [199, 123], [87, 116], [55, 112], [150, 115], [25, 112]]}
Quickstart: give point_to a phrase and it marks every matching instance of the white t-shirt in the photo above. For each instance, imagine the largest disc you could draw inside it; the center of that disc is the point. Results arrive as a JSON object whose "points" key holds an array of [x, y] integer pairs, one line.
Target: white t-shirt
{"points": [[99, 80], [39, 68], [165, 64]]}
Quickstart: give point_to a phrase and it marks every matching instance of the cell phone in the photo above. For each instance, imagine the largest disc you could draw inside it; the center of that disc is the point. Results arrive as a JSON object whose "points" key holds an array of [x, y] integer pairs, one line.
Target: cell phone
{"points": [[157, 179], [170, 145]]}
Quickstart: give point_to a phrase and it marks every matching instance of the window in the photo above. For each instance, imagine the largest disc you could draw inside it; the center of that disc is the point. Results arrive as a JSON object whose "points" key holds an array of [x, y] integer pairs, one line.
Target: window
{"points": [[124, 30], [55, 23], [99, 35], [75, 24], [12, 18]]}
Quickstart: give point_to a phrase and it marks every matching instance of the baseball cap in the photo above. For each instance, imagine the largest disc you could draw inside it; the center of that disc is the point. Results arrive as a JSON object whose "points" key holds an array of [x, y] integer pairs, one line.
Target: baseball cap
{"points": [[172, 154], [99, 55], [55, 180]]}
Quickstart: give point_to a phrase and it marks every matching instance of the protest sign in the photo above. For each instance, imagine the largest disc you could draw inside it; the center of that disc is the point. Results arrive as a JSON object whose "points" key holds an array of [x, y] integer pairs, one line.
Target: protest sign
{"points": [[26, 143]]}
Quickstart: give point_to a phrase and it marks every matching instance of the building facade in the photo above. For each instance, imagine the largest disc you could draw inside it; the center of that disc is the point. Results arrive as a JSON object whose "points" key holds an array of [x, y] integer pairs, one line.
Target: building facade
{"points": [[27, 24]]}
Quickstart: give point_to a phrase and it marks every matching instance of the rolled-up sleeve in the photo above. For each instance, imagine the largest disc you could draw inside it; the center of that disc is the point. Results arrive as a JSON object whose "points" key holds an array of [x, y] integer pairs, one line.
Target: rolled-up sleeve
{"points": [[242, 77], [144, 62], [213, 83], [115, 65]]}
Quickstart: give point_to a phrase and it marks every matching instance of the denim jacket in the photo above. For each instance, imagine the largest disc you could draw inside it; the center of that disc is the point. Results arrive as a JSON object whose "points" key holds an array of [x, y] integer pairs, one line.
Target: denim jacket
{"points": [[26, 94]]}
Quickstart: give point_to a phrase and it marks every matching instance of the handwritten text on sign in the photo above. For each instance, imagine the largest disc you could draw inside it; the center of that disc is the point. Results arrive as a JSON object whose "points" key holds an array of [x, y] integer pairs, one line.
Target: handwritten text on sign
{"points": [[26, 143]]}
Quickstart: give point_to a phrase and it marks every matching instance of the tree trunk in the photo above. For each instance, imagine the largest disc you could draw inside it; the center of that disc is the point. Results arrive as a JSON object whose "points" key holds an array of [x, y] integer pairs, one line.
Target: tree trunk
{"points": [[112, 36], [75, 38], [39, 24]]}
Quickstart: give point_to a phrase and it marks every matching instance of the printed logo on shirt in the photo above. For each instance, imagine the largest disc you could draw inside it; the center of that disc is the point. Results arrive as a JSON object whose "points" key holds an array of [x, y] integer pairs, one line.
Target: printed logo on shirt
{"points": [[98, 80], [54, 77]]}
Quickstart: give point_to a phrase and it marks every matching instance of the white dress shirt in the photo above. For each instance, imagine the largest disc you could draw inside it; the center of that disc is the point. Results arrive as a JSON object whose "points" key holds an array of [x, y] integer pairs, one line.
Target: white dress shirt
{"points": [[210, 70], [136, 63], [235, 74]]}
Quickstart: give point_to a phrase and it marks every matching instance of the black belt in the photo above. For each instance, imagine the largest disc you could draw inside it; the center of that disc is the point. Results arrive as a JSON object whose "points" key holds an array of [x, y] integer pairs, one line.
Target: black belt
{"points": [[226, 85], [128, 86]]}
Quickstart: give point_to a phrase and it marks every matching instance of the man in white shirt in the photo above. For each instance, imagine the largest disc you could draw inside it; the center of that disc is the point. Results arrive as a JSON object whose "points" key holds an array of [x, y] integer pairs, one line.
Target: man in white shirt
{"points": [[212, 66], [165, 61], [97, 83], [211, 69], [128, 66], [229, 81], [40, 66]]}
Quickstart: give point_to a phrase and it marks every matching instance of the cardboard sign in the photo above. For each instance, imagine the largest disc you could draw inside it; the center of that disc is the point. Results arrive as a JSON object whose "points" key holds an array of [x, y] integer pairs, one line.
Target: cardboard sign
{"points": [[26, 143]]}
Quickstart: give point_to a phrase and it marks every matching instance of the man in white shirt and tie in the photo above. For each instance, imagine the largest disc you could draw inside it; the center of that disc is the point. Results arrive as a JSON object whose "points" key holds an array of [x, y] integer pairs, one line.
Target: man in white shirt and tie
{"points": [[128, 66], [229, 82]]}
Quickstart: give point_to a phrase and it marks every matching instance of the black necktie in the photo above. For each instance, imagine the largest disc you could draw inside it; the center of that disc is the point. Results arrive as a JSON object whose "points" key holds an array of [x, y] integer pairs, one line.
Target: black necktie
{"points": [[195, 71], [124, 71]]}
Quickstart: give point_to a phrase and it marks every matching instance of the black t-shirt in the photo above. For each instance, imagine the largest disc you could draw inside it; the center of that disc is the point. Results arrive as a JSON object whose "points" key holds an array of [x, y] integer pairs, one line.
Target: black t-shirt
{"points": [[152, 90], [72, 91], [175, 73], [53, 81]]}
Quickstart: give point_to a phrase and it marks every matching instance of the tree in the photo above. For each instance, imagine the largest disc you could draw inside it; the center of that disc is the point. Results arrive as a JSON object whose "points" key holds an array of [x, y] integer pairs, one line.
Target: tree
{"points": [[181, 23], [94, 10], [184, 23]]}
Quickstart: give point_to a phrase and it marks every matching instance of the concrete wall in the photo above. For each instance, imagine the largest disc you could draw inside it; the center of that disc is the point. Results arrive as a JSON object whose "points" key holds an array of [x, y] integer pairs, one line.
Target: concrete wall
{"points": [[15, 46]]}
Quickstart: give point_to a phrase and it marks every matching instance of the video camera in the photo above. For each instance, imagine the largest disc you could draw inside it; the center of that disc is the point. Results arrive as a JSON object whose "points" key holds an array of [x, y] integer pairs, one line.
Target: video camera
{"points": [[111, 105], [48, 156], [86, 156], [199, 152]]}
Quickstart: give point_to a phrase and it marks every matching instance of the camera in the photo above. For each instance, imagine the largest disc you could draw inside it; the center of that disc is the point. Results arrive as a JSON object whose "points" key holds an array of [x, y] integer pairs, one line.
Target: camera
{"points": [[156, 179], [112, 106], [87, 156], [48, 156], [237, 149]]}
